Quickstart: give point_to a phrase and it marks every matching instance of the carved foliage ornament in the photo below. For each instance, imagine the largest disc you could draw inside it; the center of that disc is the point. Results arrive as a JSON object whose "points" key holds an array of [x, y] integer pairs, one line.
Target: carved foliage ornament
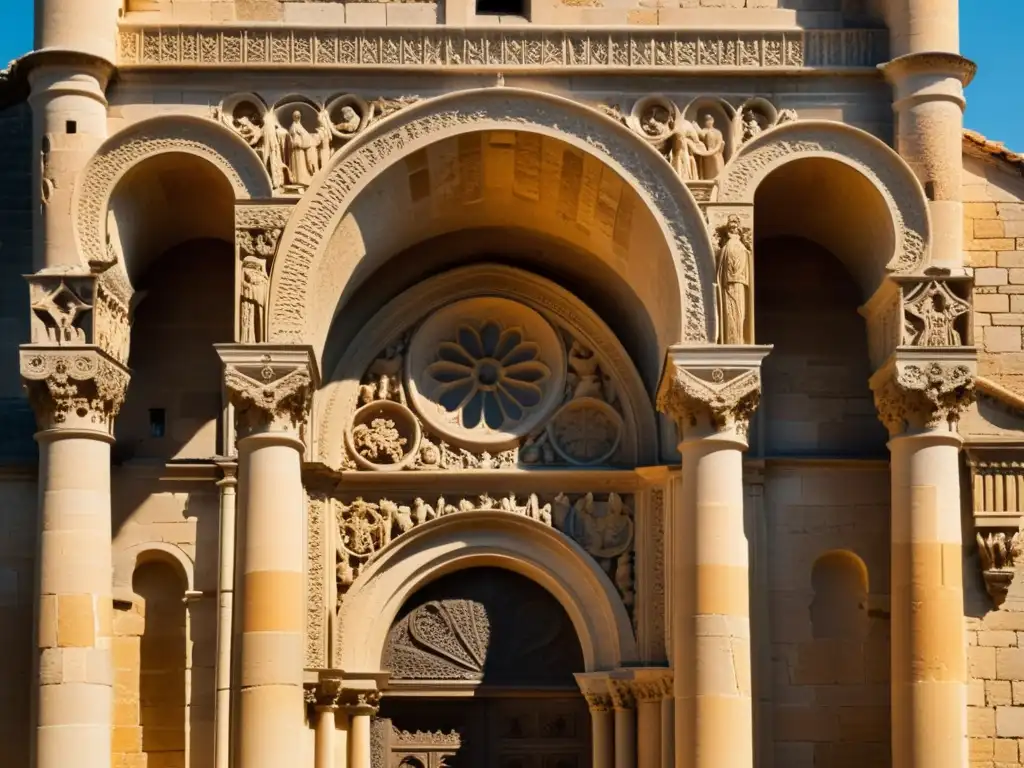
{"points": [[71, 387], [923, 395], [275, 401], [1000, 556], [723, 400]]}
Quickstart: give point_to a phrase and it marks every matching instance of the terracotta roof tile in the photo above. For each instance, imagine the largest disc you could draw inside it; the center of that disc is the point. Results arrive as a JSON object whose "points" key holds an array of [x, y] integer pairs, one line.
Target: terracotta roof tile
{"points": [[976, 144]]}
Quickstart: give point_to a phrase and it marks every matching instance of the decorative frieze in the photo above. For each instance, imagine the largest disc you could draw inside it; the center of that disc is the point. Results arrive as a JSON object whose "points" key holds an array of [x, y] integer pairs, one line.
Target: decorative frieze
{"points": [[997, 484], [712, 389], [924, 388], [270, 387], [499, 48], [73, 387]]}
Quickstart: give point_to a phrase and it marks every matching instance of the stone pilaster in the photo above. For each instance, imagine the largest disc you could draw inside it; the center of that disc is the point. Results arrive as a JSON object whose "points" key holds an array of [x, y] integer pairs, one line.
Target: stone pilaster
{"points": [[270, 389], [711, 393], [76, 391], [920, 394]]}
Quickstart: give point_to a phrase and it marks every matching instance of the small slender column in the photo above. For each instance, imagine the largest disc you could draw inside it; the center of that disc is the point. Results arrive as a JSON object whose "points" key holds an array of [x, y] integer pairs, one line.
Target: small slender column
{"points": [[712, 392], [76, 393], [595, 689], [920, 394], [324, 700], [649, 692], [360, 715], [226, 590], [668, 718], [271, 390], [624, 705]]}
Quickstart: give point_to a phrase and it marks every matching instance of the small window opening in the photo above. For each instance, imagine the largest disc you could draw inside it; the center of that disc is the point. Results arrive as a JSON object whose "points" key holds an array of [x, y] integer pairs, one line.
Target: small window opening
{"points": [[157, 422], [71, 126], [501, 7]]}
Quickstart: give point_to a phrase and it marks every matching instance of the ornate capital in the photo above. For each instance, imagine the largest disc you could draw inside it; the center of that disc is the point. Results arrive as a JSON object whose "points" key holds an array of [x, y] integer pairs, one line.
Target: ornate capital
{"points": [[270, 386], [622, 693], [325, 694], [73, 386], [712, 389], [924, 388]]}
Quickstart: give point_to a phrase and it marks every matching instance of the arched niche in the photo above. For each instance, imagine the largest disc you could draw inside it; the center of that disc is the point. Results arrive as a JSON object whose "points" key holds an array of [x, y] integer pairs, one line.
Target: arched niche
{"points": [[344, 390], [840, 187], [498, 147], [128, 559], [493, 539], [199, 138]]}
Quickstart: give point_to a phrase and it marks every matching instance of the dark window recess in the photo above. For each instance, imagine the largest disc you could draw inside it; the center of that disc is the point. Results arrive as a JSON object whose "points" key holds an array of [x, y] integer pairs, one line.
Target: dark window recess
{"points": [[157, 422], [929, 190], [501, 7], [71, 126]]}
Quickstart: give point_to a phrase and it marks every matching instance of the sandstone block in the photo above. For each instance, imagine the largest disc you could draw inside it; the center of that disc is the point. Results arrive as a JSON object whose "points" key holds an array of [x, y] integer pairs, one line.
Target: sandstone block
{"points": [[1010, 722], [986, 228], [998, 638], [76, 621], [991, 276], [976, 693], [1010, 663], [1013, 258], [981, 211], [1005, 750], [126, 738], [981, 721], [990, 244], [992, 302], [982, 259], [998, 693], [1016, 276], [981, 663], [1008, 318], [980, 749], [1005, 338], [1018, 692]]}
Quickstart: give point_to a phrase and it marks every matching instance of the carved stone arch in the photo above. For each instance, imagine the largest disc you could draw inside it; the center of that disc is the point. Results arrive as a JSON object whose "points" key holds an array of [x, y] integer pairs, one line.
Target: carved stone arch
{"points": [[126, 560], [484, 538], [885, 170], [292, 304], [338, 397], [197, 136]]}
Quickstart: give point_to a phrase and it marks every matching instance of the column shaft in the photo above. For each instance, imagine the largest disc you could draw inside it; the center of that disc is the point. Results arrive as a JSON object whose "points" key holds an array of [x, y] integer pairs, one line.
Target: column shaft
{"points": [[648, 742], [625, 738], [359, 740], [225, 588], [929, 665], [75, 609], [711, 625], [324, 750], [272, 649], [668, 719]]}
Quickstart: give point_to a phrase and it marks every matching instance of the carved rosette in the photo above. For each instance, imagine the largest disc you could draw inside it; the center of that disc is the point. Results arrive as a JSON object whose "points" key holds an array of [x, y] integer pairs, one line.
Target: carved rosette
{"points": [[270, 387], [925, 389], [707, 398], [73, 387]]}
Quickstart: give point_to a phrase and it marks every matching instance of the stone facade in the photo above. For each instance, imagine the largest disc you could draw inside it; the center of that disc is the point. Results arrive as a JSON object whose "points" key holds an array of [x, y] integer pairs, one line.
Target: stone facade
{"points": [[427, 382]]}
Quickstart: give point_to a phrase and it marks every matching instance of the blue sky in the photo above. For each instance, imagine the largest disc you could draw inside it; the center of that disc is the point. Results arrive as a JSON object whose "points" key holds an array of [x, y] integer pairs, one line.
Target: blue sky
{"points": [[990, 35]]}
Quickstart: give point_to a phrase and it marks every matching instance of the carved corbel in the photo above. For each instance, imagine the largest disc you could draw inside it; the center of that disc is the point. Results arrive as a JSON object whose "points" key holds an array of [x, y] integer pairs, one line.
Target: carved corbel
{"points": [[1000, 555], [712, 389], [258, 230], [270, 387], [930, 310], [922, 388], [73, 386]]}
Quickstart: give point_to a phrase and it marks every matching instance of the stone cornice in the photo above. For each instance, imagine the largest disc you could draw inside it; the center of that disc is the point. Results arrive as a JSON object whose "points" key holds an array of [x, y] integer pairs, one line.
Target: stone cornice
{"points": [[712, 389], [73, 386], [924, 387], [505, 49], [271, 386]]}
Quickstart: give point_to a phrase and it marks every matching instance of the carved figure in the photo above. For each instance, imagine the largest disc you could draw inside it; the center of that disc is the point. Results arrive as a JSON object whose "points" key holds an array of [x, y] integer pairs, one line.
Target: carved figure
{"points": [[255, 282], [302, 151], [59, 310], [712, 160], [751, 125], [605, 531], [733, 281], [350, 121], [385, 375], [932, 311], [586, 378]]}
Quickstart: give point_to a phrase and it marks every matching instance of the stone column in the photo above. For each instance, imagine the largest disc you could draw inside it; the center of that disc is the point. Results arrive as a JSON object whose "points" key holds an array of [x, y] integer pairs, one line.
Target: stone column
{"points": [[711, 392], [361, 712], [920, 393], [668, 719], [648, 687], [270, 388], [225, 613], [76, 392], [594, 686], [624, 705], [928, 77], [324, 700]]}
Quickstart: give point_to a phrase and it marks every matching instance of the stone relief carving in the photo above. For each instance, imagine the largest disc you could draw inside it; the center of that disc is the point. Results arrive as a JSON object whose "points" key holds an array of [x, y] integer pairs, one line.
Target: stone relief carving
{"points": [[498, 49], [256, 249], [691, 138], [1000, 555], [922, 393], [296, 138], [732, 284], [493, 377], [269, 395], [725, 399], [604, 528], [316, 582], [73, 387], [934, 315]]}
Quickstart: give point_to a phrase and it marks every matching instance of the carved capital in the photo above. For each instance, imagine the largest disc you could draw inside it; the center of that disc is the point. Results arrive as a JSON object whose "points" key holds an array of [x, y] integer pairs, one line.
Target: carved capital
{"points": [[622, 694], [712, 390], [270, 386], [325, 693], [599, 702], [73, 387], [924, 388]]}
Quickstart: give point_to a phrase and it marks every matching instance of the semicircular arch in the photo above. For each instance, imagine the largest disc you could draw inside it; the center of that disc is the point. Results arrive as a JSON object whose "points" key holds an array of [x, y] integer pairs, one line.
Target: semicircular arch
{"points": [[123, 151], [129, 558], [293, 311], [875, 161], [476, 539]]}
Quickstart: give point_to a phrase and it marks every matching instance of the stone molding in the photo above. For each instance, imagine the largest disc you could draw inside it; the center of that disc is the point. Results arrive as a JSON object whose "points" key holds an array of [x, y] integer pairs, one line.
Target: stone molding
{"points": [[997, 483], [499, 48], [73, 386], [924, 387], [712, 389], [270, 386]]}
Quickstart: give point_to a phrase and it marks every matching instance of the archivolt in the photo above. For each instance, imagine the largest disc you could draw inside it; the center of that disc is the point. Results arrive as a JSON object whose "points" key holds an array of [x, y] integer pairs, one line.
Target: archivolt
{"points": [[207, 139], [419, 125], [485, 538], [874, 159]]}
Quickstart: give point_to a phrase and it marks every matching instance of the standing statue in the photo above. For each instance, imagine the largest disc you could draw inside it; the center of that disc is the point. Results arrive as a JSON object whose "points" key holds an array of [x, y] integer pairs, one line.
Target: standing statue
{"points": [[686, 148], [253, 299], [302, 152], [712, 160], [733, 281]]}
